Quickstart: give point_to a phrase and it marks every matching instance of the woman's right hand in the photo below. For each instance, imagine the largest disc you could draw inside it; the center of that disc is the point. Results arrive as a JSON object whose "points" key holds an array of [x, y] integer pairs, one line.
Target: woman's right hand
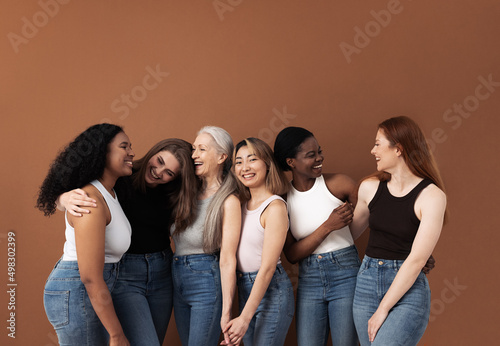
{"points": [[73, 201], [340, 217]]}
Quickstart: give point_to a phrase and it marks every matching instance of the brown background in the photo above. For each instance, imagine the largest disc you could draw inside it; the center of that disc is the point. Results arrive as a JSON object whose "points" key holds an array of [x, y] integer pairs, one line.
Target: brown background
{"points": [[252, 69]]}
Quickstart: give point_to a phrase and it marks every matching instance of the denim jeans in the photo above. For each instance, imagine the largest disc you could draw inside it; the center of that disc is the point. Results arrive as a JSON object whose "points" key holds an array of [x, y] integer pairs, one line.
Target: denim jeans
{"points": [[143, 297], [324, 298], [274, 315], [197, 299], [68, 306], [406, 321]]}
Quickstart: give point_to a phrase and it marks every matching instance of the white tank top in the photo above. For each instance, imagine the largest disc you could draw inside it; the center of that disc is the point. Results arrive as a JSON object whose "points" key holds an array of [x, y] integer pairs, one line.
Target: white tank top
{"points": [[118, 231], [309, 209], [249, 254]]}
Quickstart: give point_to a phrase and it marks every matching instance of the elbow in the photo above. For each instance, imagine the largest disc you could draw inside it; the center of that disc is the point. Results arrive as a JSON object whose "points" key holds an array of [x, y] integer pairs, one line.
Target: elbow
{"points": [[227, 263], [291, 258], [88, 279]]}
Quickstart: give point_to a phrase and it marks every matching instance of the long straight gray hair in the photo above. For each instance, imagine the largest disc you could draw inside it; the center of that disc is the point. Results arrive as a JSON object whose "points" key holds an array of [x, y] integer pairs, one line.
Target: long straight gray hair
{"points": [[212, 235]]}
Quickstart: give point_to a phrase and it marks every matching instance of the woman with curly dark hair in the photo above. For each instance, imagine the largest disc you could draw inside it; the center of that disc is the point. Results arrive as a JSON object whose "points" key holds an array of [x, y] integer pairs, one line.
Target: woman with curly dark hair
{"points": [[77, 295], [161, 191]]}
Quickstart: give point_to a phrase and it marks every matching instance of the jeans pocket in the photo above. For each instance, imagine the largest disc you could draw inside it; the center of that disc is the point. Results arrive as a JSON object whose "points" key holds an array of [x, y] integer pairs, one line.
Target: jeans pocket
{"points": [[201, 267], [57, 307], [348, 260]]}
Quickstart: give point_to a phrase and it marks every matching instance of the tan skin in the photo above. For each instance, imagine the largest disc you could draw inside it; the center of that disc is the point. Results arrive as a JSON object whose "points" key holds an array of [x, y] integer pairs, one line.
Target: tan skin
{"points": [[306, 167], [90, 233]]}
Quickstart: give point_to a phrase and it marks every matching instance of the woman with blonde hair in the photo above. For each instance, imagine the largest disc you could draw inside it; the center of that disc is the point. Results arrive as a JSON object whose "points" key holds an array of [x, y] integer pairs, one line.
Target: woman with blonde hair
{"points": [[404, 205]]}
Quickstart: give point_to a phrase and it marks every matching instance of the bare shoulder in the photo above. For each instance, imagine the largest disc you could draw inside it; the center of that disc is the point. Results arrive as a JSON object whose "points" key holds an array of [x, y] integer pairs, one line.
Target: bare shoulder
{"points": [[340, 185], [369, 184], [93, 192], [368, 189], [276, 207], [232, 203], [432, 195], [275, 214], [98, 213]]}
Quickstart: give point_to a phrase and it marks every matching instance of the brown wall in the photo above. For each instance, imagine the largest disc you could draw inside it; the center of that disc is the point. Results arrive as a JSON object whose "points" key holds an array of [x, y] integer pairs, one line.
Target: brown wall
{"points": [[256, 67]]}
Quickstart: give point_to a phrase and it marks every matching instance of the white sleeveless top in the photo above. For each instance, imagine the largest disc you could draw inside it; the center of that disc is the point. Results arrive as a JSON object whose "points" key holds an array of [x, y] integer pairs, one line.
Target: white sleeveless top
{"points": [[249, 254], [118, 231], [309, 209]]}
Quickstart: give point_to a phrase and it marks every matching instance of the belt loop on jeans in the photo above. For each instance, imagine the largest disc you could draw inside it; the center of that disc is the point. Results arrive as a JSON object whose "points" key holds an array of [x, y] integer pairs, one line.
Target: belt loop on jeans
{"points": [[279, 268]]}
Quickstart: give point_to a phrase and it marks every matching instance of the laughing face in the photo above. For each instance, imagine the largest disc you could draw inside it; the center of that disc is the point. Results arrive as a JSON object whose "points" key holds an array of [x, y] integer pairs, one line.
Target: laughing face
{"points": [[385, 154], [309, 159], [120, 156], [207, 161], [162, 168]]}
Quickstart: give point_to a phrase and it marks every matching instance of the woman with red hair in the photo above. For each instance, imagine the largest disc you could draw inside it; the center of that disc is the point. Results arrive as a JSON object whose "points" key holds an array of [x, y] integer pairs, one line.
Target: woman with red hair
{"points": [[404, 205]]}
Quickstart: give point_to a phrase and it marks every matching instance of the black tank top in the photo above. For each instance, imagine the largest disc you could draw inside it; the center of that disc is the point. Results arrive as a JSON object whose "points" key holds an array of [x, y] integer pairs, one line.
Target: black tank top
{"points": [[393, 223]]}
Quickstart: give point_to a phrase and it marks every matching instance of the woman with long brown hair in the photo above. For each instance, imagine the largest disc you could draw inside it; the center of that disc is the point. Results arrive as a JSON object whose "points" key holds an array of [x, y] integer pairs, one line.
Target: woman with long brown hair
{"points": [[404, 205]]}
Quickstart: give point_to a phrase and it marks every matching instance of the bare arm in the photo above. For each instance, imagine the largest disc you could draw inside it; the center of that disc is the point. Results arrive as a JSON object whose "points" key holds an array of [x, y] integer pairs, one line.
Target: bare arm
{"points": [[432, 204], [231, 228], [366, 192], [90, 239], [275, 221], [74, 200], [342, 187]]}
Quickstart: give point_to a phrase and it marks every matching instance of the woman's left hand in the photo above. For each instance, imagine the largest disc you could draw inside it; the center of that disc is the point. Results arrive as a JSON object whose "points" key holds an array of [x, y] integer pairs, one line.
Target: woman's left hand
{"points": [[375, 322]]}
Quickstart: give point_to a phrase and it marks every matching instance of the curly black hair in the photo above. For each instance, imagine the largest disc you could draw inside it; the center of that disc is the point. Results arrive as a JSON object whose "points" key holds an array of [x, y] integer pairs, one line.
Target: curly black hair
{"points": [[82, 161]]}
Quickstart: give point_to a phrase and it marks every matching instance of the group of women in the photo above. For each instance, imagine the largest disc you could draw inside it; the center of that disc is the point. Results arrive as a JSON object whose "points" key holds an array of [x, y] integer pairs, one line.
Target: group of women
{"points": [[231, 211]]}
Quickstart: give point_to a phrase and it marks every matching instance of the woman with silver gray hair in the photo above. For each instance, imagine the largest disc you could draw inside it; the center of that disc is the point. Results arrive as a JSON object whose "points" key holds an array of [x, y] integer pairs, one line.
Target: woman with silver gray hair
{"points": [[203, 289]]}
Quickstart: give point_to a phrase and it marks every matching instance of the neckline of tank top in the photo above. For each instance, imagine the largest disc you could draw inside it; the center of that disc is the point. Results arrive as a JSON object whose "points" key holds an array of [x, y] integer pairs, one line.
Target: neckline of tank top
{"points": [[206, 200], [114, 199], [247, 211], [410, 193], [315, 185]]}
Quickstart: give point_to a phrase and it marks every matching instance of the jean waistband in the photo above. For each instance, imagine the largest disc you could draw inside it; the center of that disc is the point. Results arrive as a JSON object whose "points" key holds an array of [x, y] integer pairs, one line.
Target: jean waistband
{"points": [[74, 265], [382, 263], [196, 257], [154, 255], [330, 255], [253, 275]]}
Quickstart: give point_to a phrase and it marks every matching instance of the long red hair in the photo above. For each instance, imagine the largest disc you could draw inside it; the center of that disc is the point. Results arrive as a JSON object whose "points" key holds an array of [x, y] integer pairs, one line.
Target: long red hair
{"points": [[405, 134]]}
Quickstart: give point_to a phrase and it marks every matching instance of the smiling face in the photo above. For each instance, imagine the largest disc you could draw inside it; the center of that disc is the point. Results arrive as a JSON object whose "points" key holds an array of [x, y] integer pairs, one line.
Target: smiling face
{"points": [[120, 156], [385, 154], [250, 169], [163, 167], [309, 159], [207, 160]]}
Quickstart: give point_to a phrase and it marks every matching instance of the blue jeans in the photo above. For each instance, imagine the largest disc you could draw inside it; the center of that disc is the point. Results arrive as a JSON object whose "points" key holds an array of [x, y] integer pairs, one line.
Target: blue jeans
{"points": [[324, 298], [143, 297], [68, 306], [406, 321], [274, 315], [197, 299]]}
